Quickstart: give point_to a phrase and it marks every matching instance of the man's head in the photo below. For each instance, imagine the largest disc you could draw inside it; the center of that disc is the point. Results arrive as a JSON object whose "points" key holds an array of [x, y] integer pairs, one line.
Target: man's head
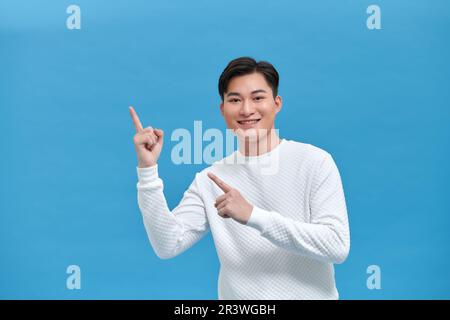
{"points": [[249, 91]]}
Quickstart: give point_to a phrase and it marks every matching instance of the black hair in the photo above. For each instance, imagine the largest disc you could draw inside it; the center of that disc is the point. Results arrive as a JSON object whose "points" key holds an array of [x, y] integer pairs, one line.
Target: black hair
{"points": [[247, 65]]}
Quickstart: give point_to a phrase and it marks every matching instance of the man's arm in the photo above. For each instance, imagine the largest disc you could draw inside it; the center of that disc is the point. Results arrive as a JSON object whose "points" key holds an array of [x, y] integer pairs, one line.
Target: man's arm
{"points": [[326, 237], [170, 233]]}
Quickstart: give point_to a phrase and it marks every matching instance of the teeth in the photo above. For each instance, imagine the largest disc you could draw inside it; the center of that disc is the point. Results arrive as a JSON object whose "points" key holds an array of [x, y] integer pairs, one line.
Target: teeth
{"points": [[248, 121]]}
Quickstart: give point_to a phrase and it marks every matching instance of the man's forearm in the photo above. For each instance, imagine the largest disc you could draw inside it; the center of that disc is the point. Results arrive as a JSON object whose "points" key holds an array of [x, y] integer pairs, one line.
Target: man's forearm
{"points": [[329, 243], [162, 227]]}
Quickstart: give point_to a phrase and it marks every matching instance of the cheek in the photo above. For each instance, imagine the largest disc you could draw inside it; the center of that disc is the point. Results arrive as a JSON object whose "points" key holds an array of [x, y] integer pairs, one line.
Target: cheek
{"points": [[268, 115], [268, 111], [229, 116], [231, 112]]}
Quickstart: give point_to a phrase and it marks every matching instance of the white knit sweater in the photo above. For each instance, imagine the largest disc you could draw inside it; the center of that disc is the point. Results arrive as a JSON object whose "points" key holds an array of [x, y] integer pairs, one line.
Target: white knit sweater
{"points": [[297, 230]]}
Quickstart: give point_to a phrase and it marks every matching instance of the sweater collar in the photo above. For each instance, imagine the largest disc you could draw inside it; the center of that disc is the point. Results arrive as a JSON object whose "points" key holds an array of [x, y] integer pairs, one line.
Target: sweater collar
{"points": [[264, 155]]}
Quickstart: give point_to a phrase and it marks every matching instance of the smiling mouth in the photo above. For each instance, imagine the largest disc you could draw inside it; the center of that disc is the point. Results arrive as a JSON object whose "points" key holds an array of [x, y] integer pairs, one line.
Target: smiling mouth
{"points": [[252, 121]]}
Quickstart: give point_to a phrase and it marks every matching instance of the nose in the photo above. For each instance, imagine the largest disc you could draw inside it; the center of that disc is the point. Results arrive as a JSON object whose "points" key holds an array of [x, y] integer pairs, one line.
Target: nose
{"points": [[247, 109]]}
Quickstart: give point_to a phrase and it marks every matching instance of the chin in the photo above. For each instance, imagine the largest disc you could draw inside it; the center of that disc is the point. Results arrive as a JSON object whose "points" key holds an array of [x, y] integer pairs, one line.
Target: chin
{"points": [[251, 133]]}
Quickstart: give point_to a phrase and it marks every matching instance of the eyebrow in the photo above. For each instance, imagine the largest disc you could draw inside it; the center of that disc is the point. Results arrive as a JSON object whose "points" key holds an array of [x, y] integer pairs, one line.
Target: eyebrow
{"points": [[238, 94]]}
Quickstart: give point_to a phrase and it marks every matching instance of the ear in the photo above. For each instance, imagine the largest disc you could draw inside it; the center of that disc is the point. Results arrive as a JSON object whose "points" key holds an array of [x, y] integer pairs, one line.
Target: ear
{"points": [[221, 108], [278, 104]]}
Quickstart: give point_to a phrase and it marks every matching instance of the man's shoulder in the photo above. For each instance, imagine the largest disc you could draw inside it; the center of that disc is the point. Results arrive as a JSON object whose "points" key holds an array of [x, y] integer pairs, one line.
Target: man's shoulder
{"points": [[307, 150]]}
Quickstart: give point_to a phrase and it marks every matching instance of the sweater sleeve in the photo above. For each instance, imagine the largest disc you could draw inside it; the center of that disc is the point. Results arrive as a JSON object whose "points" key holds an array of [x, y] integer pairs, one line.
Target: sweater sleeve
{"points": [[326, 236], [170, 233]]}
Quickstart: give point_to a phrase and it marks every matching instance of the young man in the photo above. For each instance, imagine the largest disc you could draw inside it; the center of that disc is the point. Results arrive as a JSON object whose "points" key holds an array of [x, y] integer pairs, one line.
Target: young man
{"points": [[277, 235]]}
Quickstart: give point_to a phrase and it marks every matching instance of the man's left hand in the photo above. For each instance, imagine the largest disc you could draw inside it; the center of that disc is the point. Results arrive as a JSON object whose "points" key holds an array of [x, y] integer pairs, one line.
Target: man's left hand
{"points": [[231, 204]]}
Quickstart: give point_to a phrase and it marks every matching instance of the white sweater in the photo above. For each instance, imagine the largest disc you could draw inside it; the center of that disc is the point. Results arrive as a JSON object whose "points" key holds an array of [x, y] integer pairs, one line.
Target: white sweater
{"points": [[297, 229]]}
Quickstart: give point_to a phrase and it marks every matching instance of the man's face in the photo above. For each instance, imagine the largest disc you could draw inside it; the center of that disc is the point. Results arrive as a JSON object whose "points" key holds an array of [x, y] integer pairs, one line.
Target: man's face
{"points": [[249, 97]]}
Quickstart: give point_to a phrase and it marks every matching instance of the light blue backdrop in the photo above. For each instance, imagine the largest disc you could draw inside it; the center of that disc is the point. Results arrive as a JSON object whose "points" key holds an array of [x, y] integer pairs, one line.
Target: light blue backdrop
{"points": [[377, 100]]}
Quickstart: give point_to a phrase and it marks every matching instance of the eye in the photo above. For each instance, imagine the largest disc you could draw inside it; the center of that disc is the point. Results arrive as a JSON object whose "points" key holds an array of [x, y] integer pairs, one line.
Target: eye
{"points": [[259, 98], [233, 100]]}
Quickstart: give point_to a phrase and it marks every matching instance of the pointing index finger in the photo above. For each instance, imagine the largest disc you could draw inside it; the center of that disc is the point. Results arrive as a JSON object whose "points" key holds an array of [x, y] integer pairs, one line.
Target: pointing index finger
{"points": [[222, 185], [136, 121]]}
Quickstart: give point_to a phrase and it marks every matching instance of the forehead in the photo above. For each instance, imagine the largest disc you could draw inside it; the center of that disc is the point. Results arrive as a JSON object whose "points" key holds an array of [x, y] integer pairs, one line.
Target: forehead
{"points": [[248, 83]]}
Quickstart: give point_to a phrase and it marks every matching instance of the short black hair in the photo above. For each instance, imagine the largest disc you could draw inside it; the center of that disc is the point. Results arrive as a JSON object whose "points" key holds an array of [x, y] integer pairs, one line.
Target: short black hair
{"points": [[247, 65]]}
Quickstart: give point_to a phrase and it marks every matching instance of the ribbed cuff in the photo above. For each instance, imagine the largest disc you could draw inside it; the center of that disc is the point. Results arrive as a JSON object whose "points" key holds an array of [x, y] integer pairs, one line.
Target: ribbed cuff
{"points": [[148, 174], [259, 218]]}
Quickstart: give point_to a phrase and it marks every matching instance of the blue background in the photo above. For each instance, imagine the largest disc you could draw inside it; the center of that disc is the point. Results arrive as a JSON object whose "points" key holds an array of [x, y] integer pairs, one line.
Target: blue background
{"points": [[377, 100]]}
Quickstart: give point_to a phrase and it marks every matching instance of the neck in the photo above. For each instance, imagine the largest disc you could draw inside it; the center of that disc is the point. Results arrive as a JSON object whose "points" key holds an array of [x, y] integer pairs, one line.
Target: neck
{"points": [[258, 145]]}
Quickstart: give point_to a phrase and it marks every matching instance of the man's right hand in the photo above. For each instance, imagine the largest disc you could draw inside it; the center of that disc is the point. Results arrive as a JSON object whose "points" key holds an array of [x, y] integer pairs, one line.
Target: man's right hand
{"points": [[148, 142]]}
